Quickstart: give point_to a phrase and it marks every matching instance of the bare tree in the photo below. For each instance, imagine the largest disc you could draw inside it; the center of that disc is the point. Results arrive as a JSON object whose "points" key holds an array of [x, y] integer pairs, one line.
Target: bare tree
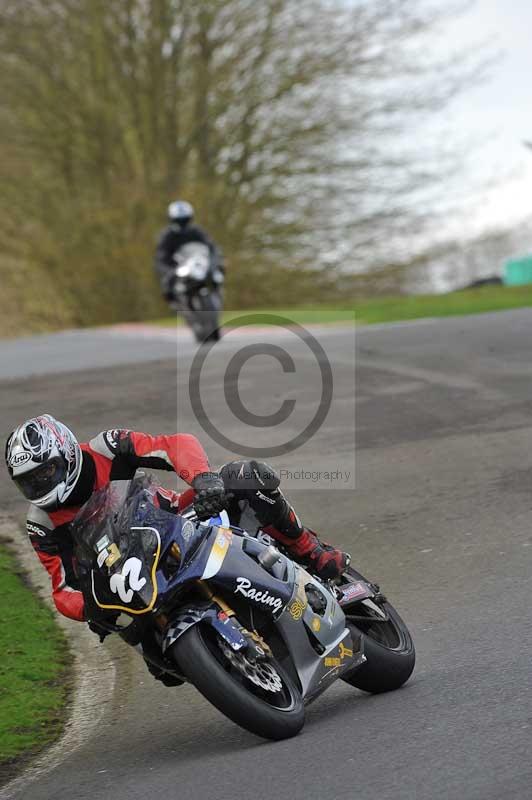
{"points": [[280, 120]]}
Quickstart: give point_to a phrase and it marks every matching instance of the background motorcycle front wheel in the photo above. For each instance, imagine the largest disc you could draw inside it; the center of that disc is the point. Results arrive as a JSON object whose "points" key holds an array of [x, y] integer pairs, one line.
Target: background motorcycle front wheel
{"points": [[258, 696], [204, 318], [388, 648]]}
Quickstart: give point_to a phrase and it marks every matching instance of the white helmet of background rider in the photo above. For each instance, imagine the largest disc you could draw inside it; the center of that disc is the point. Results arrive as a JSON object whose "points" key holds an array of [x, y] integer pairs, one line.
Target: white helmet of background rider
{"points": [[180, 212], [44, 459]]}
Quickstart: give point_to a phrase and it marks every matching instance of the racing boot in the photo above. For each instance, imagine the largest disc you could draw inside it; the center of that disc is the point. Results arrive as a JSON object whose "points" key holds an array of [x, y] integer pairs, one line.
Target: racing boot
{"points": [[303, 545]]}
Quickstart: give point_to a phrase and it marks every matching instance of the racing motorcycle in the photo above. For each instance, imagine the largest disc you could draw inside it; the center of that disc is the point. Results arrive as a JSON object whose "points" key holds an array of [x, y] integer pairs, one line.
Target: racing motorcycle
{"points": [[197, 290], [232, 614]]}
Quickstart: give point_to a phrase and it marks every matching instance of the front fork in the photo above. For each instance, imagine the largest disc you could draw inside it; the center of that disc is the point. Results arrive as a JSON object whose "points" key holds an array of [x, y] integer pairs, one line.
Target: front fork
{"points": [[257, 647]]}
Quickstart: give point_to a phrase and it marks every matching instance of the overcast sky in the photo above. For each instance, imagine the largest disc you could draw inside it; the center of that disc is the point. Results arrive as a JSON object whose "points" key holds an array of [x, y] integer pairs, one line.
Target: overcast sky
{"points": [[500, 111]]}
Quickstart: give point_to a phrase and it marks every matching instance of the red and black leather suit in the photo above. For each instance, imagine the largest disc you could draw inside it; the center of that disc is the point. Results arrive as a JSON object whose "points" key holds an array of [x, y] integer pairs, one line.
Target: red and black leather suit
{"points": [[116, 455], [112, 455]]}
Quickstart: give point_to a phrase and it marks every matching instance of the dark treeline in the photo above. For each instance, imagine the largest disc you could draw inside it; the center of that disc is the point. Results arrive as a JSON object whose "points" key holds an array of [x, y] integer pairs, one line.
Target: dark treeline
{"points": [[279, 120]]}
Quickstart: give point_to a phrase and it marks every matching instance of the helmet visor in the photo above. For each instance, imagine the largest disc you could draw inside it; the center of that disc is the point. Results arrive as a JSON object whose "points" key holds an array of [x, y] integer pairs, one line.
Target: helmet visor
{"points": [[38, 482]]}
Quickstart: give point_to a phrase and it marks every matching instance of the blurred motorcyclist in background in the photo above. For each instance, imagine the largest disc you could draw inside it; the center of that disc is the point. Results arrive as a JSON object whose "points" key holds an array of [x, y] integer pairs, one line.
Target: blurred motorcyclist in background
{"points": [[179, 231]]}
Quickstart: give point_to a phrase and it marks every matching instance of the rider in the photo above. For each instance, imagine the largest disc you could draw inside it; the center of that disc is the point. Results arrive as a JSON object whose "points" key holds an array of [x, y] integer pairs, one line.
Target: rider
{"points": [[58, 475], [179, 231]]}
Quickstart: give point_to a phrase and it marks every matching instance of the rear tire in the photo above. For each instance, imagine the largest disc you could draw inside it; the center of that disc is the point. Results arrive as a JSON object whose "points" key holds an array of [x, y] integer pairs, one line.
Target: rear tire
{"points": [[389, 651], [203, 662]]}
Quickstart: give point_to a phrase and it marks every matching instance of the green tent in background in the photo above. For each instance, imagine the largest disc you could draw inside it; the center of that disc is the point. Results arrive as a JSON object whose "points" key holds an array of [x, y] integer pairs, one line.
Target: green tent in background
{"points": [[518, 271]]}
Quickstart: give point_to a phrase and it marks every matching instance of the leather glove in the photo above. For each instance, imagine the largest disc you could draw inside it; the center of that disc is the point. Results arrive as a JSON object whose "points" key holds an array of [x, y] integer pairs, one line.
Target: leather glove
{"points": [[98, 629], [210, 496], [99, 624]]}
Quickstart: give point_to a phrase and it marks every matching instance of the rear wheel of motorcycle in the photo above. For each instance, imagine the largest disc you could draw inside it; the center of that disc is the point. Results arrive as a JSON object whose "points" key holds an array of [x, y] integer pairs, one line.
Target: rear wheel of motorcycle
{"points": [[389, 651], [217, 673]]}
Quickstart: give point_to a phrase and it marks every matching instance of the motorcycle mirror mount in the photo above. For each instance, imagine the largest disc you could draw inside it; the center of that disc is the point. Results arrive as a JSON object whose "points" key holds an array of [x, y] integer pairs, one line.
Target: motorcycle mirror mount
{"points": [[269, 557], [222, 520]]}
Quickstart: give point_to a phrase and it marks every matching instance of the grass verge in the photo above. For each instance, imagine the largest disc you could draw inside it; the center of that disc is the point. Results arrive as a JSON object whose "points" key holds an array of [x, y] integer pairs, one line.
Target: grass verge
{"points": [[33, 669], [468, 301], [394, 309]]}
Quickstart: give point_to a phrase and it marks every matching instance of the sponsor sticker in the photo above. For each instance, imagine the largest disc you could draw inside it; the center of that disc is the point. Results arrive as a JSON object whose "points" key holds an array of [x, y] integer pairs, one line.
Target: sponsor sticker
{"points": [[102, 556], [297, 608], [345, 652], [18, 459], [113, 555], [352, 591], [223, 538], [101, 543], [263, 497], [187, 531], [218, 553], [337, 661], [112, 438], [35, 529], [261, 596], [316, 624]]}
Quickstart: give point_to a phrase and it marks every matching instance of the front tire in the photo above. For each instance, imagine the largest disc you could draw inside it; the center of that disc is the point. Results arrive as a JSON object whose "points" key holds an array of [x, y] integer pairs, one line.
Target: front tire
{"points": [[205, 323], [207, 663], [389, 651]]}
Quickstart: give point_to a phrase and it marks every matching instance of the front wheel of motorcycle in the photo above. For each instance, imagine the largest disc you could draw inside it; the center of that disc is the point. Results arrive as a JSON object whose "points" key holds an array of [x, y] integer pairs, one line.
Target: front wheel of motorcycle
{"points": [[388, 648], [257, 695]]}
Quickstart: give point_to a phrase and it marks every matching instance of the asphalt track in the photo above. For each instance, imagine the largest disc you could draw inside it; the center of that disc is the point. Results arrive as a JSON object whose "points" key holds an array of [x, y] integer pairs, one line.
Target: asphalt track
{"points": [[440, 516]]}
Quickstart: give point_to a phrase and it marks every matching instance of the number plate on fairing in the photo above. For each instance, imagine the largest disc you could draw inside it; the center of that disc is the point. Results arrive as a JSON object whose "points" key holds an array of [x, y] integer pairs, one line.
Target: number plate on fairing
{"points": [[132, 586]]}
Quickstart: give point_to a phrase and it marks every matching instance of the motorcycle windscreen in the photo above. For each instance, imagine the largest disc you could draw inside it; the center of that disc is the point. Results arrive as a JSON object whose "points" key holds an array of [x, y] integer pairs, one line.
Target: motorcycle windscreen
{"points": [[131, 586], [111, 529], [193, 261], [98, 520]]}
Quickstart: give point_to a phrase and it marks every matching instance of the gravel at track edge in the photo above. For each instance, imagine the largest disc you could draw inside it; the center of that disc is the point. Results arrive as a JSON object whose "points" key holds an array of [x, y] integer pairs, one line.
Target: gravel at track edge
{"points": [[93, 672]]}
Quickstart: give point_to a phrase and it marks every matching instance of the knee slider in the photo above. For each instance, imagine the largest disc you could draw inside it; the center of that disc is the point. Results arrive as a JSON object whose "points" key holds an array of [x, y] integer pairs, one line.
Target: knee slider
{"points": [[249, 476], [265, 476]]}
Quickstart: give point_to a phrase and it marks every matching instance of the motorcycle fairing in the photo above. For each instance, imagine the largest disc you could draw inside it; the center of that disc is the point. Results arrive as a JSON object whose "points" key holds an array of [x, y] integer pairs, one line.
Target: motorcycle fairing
{"points": [[221, 560], [243, 576], [294, 617], [320, 644], [193, 261], [119, 512], [339, 650], [307, 632], [204, 557]]}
